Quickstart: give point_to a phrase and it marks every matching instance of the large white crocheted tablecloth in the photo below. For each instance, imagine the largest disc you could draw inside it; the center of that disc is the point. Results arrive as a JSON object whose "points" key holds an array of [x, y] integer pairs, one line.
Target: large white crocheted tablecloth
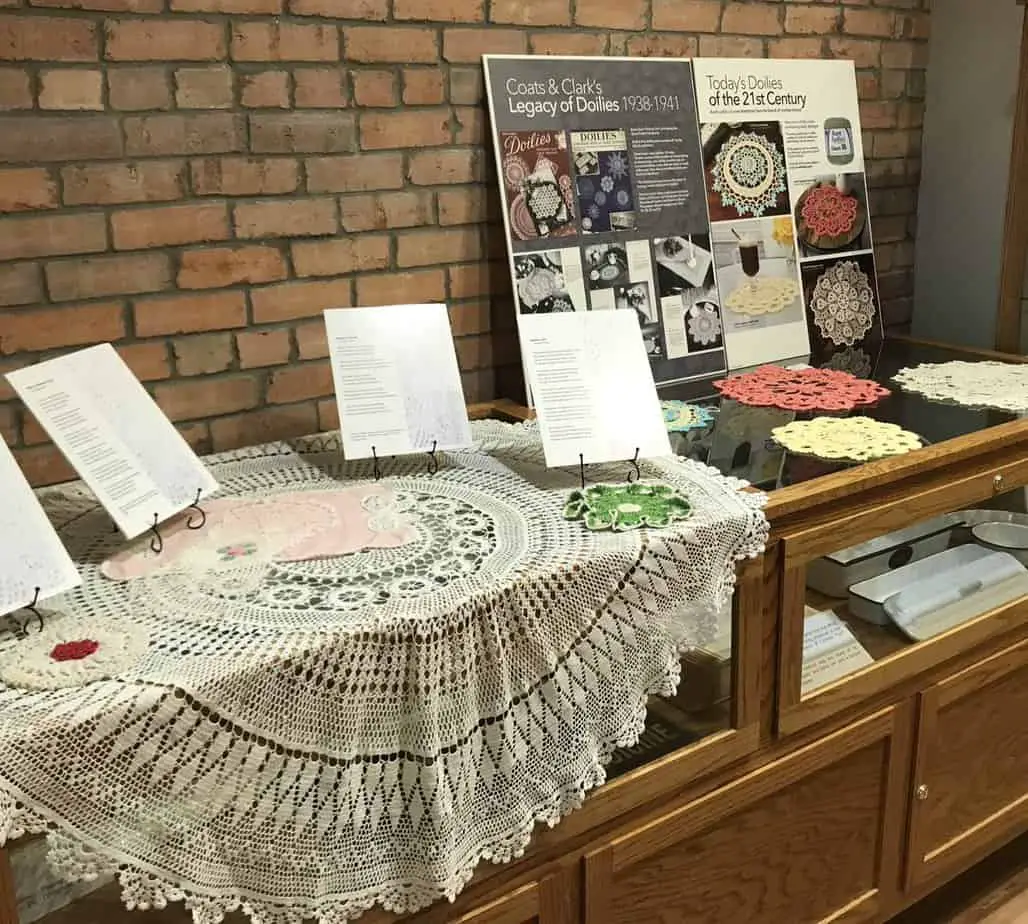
{"points": [[365, 729]]}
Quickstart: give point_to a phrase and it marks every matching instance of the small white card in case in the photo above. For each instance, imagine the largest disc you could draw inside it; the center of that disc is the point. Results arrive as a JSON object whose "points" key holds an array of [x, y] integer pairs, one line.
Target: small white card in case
{"points": [[592, 386], [115, 436], [31, 554], [397, 381], [830, 650]]}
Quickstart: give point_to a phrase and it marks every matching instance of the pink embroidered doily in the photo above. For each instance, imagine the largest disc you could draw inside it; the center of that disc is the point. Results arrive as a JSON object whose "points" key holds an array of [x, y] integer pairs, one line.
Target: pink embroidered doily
{"points": [[801, 389], [829, 212]]}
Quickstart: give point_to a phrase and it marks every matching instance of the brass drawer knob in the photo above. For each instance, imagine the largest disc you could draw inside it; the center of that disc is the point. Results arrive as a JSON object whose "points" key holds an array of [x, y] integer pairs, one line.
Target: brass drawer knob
{"points": [[997, 482], [922, 793]]}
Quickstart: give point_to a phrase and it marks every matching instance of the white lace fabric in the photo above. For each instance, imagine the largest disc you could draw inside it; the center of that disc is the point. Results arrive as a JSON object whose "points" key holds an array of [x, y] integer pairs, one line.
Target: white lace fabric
{"points": [[843, 303], [321, 736], [986, 384]]}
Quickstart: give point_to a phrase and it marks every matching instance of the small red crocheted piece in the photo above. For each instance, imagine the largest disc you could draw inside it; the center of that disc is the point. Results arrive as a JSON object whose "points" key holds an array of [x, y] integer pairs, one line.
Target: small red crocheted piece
{"points": [[74, 651], [829, 212], [801, 389]]}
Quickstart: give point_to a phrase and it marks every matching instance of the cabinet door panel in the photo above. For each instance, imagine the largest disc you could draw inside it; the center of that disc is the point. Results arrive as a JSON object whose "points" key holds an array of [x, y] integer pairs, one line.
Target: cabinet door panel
{"points": [[971, 777], [802, 841]]}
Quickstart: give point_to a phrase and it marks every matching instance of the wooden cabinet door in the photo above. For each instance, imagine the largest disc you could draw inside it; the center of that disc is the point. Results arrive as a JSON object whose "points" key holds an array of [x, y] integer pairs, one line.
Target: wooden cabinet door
{"points": [[548, 901], [814, 837], [970, 783]]}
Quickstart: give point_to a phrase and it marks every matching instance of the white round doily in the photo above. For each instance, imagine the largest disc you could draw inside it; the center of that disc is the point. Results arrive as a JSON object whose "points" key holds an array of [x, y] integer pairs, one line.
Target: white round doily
{"points": [[321, 736], [986, 384], [768, 295], [843, 304], [854, 439], [749, 173]]}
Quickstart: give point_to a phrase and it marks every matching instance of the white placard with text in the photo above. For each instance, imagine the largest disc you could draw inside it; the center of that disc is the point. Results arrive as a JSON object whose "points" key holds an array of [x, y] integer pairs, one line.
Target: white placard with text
{"points": [[115, 436], [31, 554], [830, 651], [593, 388], [396, 379]]}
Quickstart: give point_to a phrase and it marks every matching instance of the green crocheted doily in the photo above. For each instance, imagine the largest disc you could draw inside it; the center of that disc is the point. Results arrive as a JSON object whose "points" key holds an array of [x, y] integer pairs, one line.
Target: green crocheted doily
{"points": [[627, 506]]}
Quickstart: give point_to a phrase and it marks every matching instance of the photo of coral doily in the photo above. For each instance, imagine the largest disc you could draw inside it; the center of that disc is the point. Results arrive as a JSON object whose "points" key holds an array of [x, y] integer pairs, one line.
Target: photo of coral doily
{"points": [[853, 439], [801, 389], [749, 174], [1003, 386], [843, 304], [828, 212], [763, 296], [680, 416]]}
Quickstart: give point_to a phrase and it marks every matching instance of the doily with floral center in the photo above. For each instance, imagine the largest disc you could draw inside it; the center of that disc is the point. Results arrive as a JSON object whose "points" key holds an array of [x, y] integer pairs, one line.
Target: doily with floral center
{"points": [[71, 652], [680, 416], [843, 304], [854, 439], [749, 174], [704, 325], [987, 384], [767, 295], [306, 739], [803, 389], [829, 212], [620, 507]]}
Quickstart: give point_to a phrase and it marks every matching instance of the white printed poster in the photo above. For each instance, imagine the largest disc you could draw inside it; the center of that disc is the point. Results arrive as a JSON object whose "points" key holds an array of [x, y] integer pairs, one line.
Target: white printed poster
{"points": [[787, 195]]}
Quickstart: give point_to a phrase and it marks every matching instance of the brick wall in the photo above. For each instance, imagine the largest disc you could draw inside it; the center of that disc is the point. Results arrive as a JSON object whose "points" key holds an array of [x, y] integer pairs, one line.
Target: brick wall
{"points": [[196, 180]]}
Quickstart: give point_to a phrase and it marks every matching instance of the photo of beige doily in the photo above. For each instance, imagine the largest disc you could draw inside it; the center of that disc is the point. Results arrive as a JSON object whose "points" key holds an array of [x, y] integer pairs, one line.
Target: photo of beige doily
{"points": [[843, 303], [763, 296], [853, 439]]}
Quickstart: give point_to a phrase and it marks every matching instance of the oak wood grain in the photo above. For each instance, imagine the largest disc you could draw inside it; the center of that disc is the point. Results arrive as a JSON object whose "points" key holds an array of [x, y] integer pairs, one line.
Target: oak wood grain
{"points": [[8, 902]]}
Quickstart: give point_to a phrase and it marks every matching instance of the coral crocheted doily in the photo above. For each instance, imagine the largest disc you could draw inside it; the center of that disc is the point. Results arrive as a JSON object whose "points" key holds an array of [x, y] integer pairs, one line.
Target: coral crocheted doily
{"points": [[829, 212], [803, 389]]}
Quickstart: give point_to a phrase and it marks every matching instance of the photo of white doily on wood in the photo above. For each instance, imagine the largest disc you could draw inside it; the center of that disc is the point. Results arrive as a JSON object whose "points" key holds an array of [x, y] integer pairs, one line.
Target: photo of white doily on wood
{"points": [[843, 303], [766, 295], [1003, 386], [749, 173]]}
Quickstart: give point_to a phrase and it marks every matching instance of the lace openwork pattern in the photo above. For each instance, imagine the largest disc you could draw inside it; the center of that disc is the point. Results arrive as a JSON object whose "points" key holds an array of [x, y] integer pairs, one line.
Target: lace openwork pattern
{"points": [[843, 303], [804, 389], [852, 439], [749, 173], [1003, 386], [307, 739], [768, 295]]}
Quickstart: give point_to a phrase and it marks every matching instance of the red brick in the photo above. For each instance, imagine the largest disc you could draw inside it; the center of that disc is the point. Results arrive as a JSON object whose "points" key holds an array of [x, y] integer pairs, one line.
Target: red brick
{"points": [[253, 7], [15, 89], [367, 10], [109, 6], [148, 361], [169, 226], [312, 340], [661, 46], [286, 218], [46, 139], [475, 352], [432, 168], [263, 348], [265, 90], [795, 47], [67, 326], [69, 89], [476, 279], [19, 284], [375, 88], [467, 205], [227, 266], [911, 55], [466, 86], [52, 235], [811, 20], [425, 248], [291, 300], [440, 10], [184, 314], [628, 14], [686, 15], [400, 129], [862, 52], [94, 277], [8, 424], [204, 88], [195, 133], [44, 465], [262, 41], [207, 397], [892, 83], [878, 114], [532, 12], [302, 132], [913, 25], [466, 46], [471, 126], [470, 318], [377, 212], [869, 22], [27, 189], [328, 414], [341, 255], [112, 184], [319, 88], [751, 18], [396, 288], [203, 354], [730, 46], [423, 86], [133, 89], [300, 383], [359, 173], [241, 176], [562, 43], [47, 38], [164, 40], [270, 423], [396, 44]]}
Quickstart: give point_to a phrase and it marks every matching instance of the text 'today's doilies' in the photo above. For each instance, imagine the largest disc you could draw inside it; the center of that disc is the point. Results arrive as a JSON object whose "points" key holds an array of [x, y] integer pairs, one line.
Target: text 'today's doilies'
{"points": [[1003, 386], [440, 698]]}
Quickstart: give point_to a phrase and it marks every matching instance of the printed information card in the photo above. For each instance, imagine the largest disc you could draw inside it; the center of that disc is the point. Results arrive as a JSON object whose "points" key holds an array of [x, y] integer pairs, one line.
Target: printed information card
{"points": [[593, 389], [115, 436], [31, 554], [830, 651], [396, 379]]}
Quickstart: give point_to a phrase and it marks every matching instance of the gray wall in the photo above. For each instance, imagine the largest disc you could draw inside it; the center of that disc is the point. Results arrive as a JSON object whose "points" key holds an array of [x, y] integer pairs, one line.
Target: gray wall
{"points": [[972, 91]]}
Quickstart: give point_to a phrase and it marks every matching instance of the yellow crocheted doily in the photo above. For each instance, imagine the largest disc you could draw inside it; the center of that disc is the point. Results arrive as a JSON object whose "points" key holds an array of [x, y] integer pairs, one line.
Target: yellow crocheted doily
{"points": [[856, 439], [762, 296]]}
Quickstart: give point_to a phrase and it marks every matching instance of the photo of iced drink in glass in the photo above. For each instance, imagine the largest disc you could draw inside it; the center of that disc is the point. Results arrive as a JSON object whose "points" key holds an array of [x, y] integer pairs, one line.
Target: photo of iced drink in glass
{"points": [[749, 255]]}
